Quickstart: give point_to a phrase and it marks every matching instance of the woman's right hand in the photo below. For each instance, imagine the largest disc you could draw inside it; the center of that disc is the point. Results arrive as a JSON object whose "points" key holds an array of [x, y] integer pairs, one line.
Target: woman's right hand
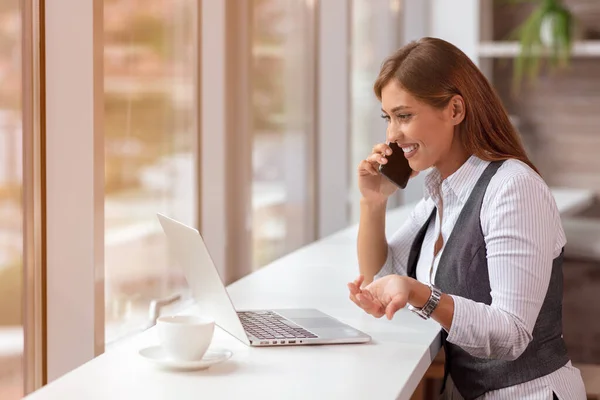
{"points": [[372, 184]]}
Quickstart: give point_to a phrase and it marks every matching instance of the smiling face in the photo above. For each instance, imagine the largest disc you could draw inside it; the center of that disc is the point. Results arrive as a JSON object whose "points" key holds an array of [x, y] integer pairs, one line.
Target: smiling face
{"points": [[426, 134]]}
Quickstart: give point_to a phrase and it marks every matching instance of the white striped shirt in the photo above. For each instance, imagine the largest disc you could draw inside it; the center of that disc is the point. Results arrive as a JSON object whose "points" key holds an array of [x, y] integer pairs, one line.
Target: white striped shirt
{"points": [[523, 234]]}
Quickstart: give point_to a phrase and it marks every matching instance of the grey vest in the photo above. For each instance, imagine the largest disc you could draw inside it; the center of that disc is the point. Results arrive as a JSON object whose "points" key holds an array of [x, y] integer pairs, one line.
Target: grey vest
{"points": [[463, 271]]}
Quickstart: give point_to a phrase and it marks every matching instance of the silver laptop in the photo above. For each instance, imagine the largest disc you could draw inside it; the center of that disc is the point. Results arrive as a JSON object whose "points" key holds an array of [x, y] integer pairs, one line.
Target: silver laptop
{"points": [[253, 327]]}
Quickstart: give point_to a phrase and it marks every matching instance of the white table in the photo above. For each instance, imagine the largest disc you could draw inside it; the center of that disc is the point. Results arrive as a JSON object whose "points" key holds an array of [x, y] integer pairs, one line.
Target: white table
{"points": [[391, 366], [315, 276]]}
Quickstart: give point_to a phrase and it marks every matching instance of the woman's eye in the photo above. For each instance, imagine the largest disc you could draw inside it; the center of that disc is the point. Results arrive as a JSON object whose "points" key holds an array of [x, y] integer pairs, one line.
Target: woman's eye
{"points": [[386, 117], [404, 117]]}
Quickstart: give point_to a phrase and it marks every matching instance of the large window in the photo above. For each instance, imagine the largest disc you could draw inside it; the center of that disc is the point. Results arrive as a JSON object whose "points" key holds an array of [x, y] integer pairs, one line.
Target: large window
{"points": [[11, 216], [376, 33], [283, 119], [150, 150], [150, 134]]}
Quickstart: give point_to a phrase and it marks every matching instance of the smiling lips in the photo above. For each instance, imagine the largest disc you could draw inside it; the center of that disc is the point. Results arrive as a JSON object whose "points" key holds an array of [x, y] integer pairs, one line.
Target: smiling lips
{"points": [[409, 150]]}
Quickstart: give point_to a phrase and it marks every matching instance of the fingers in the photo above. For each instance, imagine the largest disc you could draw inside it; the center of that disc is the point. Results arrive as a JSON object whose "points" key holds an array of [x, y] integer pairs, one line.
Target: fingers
{"points": [[382, 148], [354, 300], [376, 159], [370, 305], [364, 299], [355, 293], [370, 165], [355, 286], [375, 304], [359, 281], [398, 302], [367, 168], [354, 289], [378, 156], [368, 295]]}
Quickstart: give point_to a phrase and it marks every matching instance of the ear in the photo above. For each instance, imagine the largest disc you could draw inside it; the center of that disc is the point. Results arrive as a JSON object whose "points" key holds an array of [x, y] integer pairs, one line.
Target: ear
{"points": [[456, 109]]}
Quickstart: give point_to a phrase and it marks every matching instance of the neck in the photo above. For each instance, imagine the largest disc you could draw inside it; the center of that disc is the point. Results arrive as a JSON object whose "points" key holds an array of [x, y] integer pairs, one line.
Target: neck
{"points": [[453, 161]]}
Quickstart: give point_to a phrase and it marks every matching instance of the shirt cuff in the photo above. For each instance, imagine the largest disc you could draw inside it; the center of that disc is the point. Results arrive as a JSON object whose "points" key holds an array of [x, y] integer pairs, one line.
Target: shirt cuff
{"points": [[388, 266], [461, 330]]}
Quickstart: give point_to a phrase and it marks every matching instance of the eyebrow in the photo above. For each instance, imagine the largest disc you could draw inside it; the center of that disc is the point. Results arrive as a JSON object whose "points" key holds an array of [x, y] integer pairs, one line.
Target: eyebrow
{"points": [[396, 109]]}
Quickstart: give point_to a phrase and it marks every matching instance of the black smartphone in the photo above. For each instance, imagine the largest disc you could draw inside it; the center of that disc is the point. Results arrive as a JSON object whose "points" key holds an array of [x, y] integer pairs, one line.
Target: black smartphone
{"points": [[397, 168]]}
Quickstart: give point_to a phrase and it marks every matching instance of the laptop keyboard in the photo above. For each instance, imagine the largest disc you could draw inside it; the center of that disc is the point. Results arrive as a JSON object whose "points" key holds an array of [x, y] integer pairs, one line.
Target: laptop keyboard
{"points": [[269, 325]]}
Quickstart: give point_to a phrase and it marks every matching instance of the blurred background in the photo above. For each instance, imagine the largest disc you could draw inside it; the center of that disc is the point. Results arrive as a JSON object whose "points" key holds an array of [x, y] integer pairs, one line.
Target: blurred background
{"points": [[301, 140]]}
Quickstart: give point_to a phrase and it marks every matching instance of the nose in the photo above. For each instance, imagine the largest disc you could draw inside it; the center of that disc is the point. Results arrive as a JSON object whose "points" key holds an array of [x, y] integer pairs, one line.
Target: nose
{"points": [[394, 133]]}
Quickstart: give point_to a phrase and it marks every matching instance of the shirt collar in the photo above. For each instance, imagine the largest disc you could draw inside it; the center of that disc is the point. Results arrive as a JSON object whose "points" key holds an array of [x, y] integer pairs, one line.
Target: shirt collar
{"points": [[461, 182]]}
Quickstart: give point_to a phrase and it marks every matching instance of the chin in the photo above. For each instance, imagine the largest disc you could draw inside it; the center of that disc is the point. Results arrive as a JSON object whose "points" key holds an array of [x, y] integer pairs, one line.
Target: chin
{"points": [[419, 166], [415, 165]]}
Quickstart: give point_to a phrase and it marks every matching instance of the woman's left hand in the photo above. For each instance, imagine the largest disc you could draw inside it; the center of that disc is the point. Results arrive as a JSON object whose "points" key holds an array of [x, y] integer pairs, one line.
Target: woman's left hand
{"points": [[382, 297]]}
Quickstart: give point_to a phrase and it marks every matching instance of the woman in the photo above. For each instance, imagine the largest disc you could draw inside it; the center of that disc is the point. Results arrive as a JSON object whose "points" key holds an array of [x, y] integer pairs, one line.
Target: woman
{"points": [[482, 251]]}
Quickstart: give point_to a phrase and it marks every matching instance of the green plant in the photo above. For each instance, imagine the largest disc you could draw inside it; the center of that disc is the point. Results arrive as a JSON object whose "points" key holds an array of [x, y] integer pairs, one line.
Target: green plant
{"points": [[546, 34]]}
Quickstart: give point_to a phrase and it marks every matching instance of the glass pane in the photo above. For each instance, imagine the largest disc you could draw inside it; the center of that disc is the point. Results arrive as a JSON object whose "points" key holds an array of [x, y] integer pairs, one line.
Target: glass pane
{"points": [[11, 216], [375, 35], [282, 87], [151, 158]]}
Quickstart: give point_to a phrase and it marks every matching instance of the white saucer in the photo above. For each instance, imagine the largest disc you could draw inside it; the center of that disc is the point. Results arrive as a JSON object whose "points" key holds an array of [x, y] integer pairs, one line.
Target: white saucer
{"points": [[157, 356]]}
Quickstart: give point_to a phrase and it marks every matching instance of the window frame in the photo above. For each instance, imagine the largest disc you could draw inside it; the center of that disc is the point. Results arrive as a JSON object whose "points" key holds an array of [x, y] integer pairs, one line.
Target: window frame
{"points": [[32, 83]]}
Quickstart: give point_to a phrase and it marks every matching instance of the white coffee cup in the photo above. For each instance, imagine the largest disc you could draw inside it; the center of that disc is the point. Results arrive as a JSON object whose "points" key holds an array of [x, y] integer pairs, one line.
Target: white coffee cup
{"points": [[185, 337]]}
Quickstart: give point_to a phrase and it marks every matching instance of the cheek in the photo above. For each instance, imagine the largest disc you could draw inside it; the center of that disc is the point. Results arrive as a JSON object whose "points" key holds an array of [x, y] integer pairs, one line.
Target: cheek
{"points": [[434, 134], [425, 132]]}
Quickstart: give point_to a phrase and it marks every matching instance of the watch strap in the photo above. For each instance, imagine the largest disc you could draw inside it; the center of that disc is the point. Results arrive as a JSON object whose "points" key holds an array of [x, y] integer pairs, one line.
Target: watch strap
{"points": [[434, 299]]}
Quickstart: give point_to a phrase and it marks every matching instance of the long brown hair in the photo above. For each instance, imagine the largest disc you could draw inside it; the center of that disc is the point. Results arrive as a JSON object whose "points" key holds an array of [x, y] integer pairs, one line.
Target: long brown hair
{"points": [[433, 71]]}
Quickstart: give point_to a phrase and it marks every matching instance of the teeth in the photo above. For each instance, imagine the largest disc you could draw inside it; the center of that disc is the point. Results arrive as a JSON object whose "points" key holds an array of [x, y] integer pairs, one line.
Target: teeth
{"points": [[409, 149]]}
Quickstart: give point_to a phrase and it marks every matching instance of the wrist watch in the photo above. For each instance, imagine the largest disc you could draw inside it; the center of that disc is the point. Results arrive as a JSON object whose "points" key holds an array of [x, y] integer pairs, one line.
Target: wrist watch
{"points": [[427, 309]]}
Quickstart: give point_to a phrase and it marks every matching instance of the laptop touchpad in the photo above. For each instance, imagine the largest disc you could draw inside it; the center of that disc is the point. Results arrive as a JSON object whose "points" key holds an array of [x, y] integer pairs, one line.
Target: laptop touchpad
{"points": [[309, 323]]}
